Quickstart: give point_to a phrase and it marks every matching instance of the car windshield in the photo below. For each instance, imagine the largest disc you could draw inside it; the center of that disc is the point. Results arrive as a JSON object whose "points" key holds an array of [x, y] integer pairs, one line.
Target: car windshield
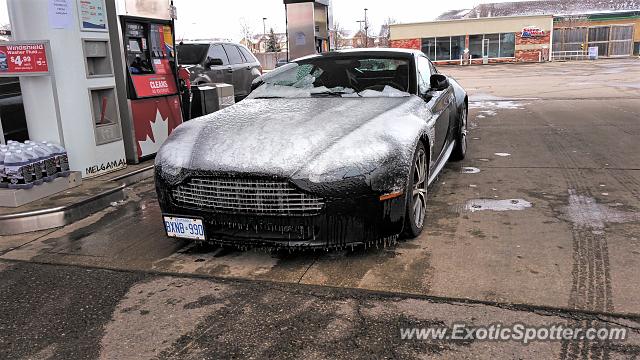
{"points": [[191, 54], [356, 76]]}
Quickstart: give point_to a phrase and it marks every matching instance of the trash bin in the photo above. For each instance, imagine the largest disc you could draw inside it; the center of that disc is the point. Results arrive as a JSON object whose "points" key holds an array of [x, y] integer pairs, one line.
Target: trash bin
{"points": [[209, 98]]}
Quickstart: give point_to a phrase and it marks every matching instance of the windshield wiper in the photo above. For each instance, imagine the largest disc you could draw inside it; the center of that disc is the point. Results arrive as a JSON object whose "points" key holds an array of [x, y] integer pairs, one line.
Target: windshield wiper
{"points": [[334, 93]]}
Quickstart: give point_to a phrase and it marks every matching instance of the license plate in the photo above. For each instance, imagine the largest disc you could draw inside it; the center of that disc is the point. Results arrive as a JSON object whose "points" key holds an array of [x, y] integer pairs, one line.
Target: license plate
{"points": [[184, 228]]}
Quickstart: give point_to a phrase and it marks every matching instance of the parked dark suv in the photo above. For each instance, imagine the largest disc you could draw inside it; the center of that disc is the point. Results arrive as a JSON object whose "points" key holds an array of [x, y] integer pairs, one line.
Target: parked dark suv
{"points": [[220, 62]]}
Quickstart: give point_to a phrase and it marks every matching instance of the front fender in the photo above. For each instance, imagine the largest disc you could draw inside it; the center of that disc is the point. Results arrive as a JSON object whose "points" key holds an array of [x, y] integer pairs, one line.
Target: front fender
{"points": [[459, 92]]}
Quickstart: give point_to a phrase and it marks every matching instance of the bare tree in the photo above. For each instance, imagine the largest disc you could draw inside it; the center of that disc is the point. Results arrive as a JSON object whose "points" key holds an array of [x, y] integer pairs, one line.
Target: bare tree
{"points": [[247, 33], [385, 34], [338, 34]]}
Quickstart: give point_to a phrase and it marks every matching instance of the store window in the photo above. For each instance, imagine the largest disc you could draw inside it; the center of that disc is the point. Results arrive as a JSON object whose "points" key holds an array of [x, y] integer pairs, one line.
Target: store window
{"points": [[457, 47], [475, 46], [492, 45], [507, 45], [429, 47], [443, 48]]}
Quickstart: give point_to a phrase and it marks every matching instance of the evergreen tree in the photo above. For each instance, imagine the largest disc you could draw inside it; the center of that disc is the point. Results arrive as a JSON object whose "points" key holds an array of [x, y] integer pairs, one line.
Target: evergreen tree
{"points": [[272, 42]]}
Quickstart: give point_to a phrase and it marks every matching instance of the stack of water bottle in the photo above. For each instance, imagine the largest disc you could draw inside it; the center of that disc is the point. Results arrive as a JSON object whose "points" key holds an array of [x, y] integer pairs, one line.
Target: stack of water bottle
{"points": [[23, 165]]}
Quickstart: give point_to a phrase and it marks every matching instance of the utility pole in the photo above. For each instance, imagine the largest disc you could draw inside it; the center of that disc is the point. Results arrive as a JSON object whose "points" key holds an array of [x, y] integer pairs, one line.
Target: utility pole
{"points": [[360, 22], [366, 29]]}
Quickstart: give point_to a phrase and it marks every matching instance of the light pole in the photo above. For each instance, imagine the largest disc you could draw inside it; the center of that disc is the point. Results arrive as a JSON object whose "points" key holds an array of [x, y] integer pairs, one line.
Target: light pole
{"points": [[366, 29], [264, 31]]}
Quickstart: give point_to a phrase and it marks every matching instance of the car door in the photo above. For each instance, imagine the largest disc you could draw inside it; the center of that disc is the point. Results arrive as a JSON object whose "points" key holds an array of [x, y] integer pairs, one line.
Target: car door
{"points": [[439, 102], [218, 73], [253, 65], [237, 69]]}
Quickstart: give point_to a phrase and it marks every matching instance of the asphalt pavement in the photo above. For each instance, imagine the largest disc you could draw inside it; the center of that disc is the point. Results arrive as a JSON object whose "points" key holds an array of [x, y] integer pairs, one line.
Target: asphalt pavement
{"points": [[539, 225]]}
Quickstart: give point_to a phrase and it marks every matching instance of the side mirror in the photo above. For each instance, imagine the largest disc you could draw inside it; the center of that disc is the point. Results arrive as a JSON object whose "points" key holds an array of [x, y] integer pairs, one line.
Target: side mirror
{"points": [[213, 62], [439, 82]]}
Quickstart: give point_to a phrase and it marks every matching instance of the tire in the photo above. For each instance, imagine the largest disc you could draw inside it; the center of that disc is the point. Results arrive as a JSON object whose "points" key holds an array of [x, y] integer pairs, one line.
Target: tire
{"points": [[417, 192], [460, 149]]}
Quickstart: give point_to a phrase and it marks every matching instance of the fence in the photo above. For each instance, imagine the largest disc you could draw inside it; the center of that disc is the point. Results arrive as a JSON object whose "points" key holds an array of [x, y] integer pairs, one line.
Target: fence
{"points": [[569, 55], [268, 60]]}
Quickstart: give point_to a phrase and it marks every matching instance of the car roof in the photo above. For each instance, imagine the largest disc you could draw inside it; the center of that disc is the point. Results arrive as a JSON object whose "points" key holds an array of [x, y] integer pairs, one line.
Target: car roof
{"points": [[202, 42], [365, 52]]}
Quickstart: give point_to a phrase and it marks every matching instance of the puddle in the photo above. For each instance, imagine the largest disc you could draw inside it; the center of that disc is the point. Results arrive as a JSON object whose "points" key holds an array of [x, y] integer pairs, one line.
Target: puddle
{"points": [[496, 205], [502, 154], [584, 211], [470, 170]]}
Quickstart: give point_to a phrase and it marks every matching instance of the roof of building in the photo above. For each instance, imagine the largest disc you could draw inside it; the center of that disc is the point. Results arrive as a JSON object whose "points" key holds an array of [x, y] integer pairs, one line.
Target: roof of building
{"points": [[543, 7], [453, 14]]}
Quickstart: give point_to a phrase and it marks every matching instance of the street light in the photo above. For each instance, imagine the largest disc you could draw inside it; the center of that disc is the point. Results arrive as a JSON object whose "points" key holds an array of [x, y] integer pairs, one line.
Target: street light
{"points": [[264, 32], [264, 26], [366, 29]]}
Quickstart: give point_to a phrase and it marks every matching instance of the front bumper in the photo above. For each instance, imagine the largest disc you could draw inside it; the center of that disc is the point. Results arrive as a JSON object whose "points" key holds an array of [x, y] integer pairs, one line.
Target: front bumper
{"points": [[352, 215]]}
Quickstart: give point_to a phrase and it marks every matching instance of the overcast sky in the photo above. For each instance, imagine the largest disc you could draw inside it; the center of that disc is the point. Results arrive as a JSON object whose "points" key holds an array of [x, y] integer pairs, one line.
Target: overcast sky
{"points": [[221, 19]]}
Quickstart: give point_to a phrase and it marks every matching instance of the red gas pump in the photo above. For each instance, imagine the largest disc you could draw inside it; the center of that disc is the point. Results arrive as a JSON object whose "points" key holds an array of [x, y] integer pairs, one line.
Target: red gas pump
{"points": [[142, 43], [152, 90]]}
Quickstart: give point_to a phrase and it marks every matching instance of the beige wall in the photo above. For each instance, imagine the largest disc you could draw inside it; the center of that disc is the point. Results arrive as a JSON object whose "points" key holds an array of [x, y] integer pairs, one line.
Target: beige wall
{"points": [[469, 26]]}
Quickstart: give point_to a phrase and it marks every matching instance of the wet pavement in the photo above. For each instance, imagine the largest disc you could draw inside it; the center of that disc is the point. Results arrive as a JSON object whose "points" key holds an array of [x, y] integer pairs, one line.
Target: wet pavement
{"points": [[70, 312], [544, 213]]}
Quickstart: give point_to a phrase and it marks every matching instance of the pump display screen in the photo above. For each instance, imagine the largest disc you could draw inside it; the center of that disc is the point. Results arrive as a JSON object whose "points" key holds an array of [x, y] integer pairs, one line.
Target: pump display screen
{"points": [[149, 59], [134, 46]]}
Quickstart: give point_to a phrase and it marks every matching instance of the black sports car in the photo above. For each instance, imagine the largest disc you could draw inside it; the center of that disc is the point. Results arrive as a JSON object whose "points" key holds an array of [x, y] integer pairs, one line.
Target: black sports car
{"points": [[328, 151]]}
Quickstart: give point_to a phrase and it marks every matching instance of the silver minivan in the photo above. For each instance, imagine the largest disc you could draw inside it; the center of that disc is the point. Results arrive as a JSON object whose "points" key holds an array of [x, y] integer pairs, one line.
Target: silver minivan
{"points": [[220, 62]]}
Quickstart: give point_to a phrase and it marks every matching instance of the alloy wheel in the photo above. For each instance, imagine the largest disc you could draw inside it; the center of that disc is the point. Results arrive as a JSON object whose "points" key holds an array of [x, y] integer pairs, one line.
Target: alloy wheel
{"points": [[420, 188], [463, 130]]}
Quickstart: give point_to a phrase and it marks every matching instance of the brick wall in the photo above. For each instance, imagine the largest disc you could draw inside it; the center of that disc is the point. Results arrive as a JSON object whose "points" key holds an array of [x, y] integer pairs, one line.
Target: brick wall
{"points": [[537, 40], [415, 44]]}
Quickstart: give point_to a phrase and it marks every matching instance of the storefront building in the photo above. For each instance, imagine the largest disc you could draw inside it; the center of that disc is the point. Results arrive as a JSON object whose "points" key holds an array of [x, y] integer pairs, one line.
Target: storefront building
{"points": [[488, 40], [526, 31]]}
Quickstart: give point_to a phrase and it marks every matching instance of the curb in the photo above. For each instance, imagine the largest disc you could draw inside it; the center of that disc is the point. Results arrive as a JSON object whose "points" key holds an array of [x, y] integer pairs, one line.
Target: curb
{"points": [[36, 220]]}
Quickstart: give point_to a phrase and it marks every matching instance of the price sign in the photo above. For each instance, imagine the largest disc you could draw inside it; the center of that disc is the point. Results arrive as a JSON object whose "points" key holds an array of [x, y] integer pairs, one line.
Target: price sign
{"points": [[23, 58]]}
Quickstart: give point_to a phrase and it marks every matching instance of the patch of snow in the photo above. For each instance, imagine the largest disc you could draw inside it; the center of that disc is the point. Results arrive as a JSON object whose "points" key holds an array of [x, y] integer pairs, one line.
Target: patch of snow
{"points": [[388, 91], [496, 205], [583, 211], [470, 170], [499, 104], [502, 154]]}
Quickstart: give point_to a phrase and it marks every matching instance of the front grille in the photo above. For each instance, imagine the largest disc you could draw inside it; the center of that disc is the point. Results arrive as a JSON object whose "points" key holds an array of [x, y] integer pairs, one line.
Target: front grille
{"points": [[253, 196]]}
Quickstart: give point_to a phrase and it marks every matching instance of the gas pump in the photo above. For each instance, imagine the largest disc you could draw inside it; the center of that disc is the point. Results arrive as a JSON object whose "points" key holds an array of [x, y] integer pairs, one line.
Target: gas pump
{"points": [[146, 75], [309, 24]]}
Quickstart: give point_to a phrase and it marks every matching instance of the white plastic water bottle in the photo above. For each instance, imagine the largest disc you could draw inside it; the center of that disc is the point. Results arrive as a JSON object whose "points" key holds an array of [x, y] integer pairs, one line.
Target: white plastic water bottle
{"points": [[17, 170], [35, 164], [49, 170], [62, 161], [4, 183]]}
